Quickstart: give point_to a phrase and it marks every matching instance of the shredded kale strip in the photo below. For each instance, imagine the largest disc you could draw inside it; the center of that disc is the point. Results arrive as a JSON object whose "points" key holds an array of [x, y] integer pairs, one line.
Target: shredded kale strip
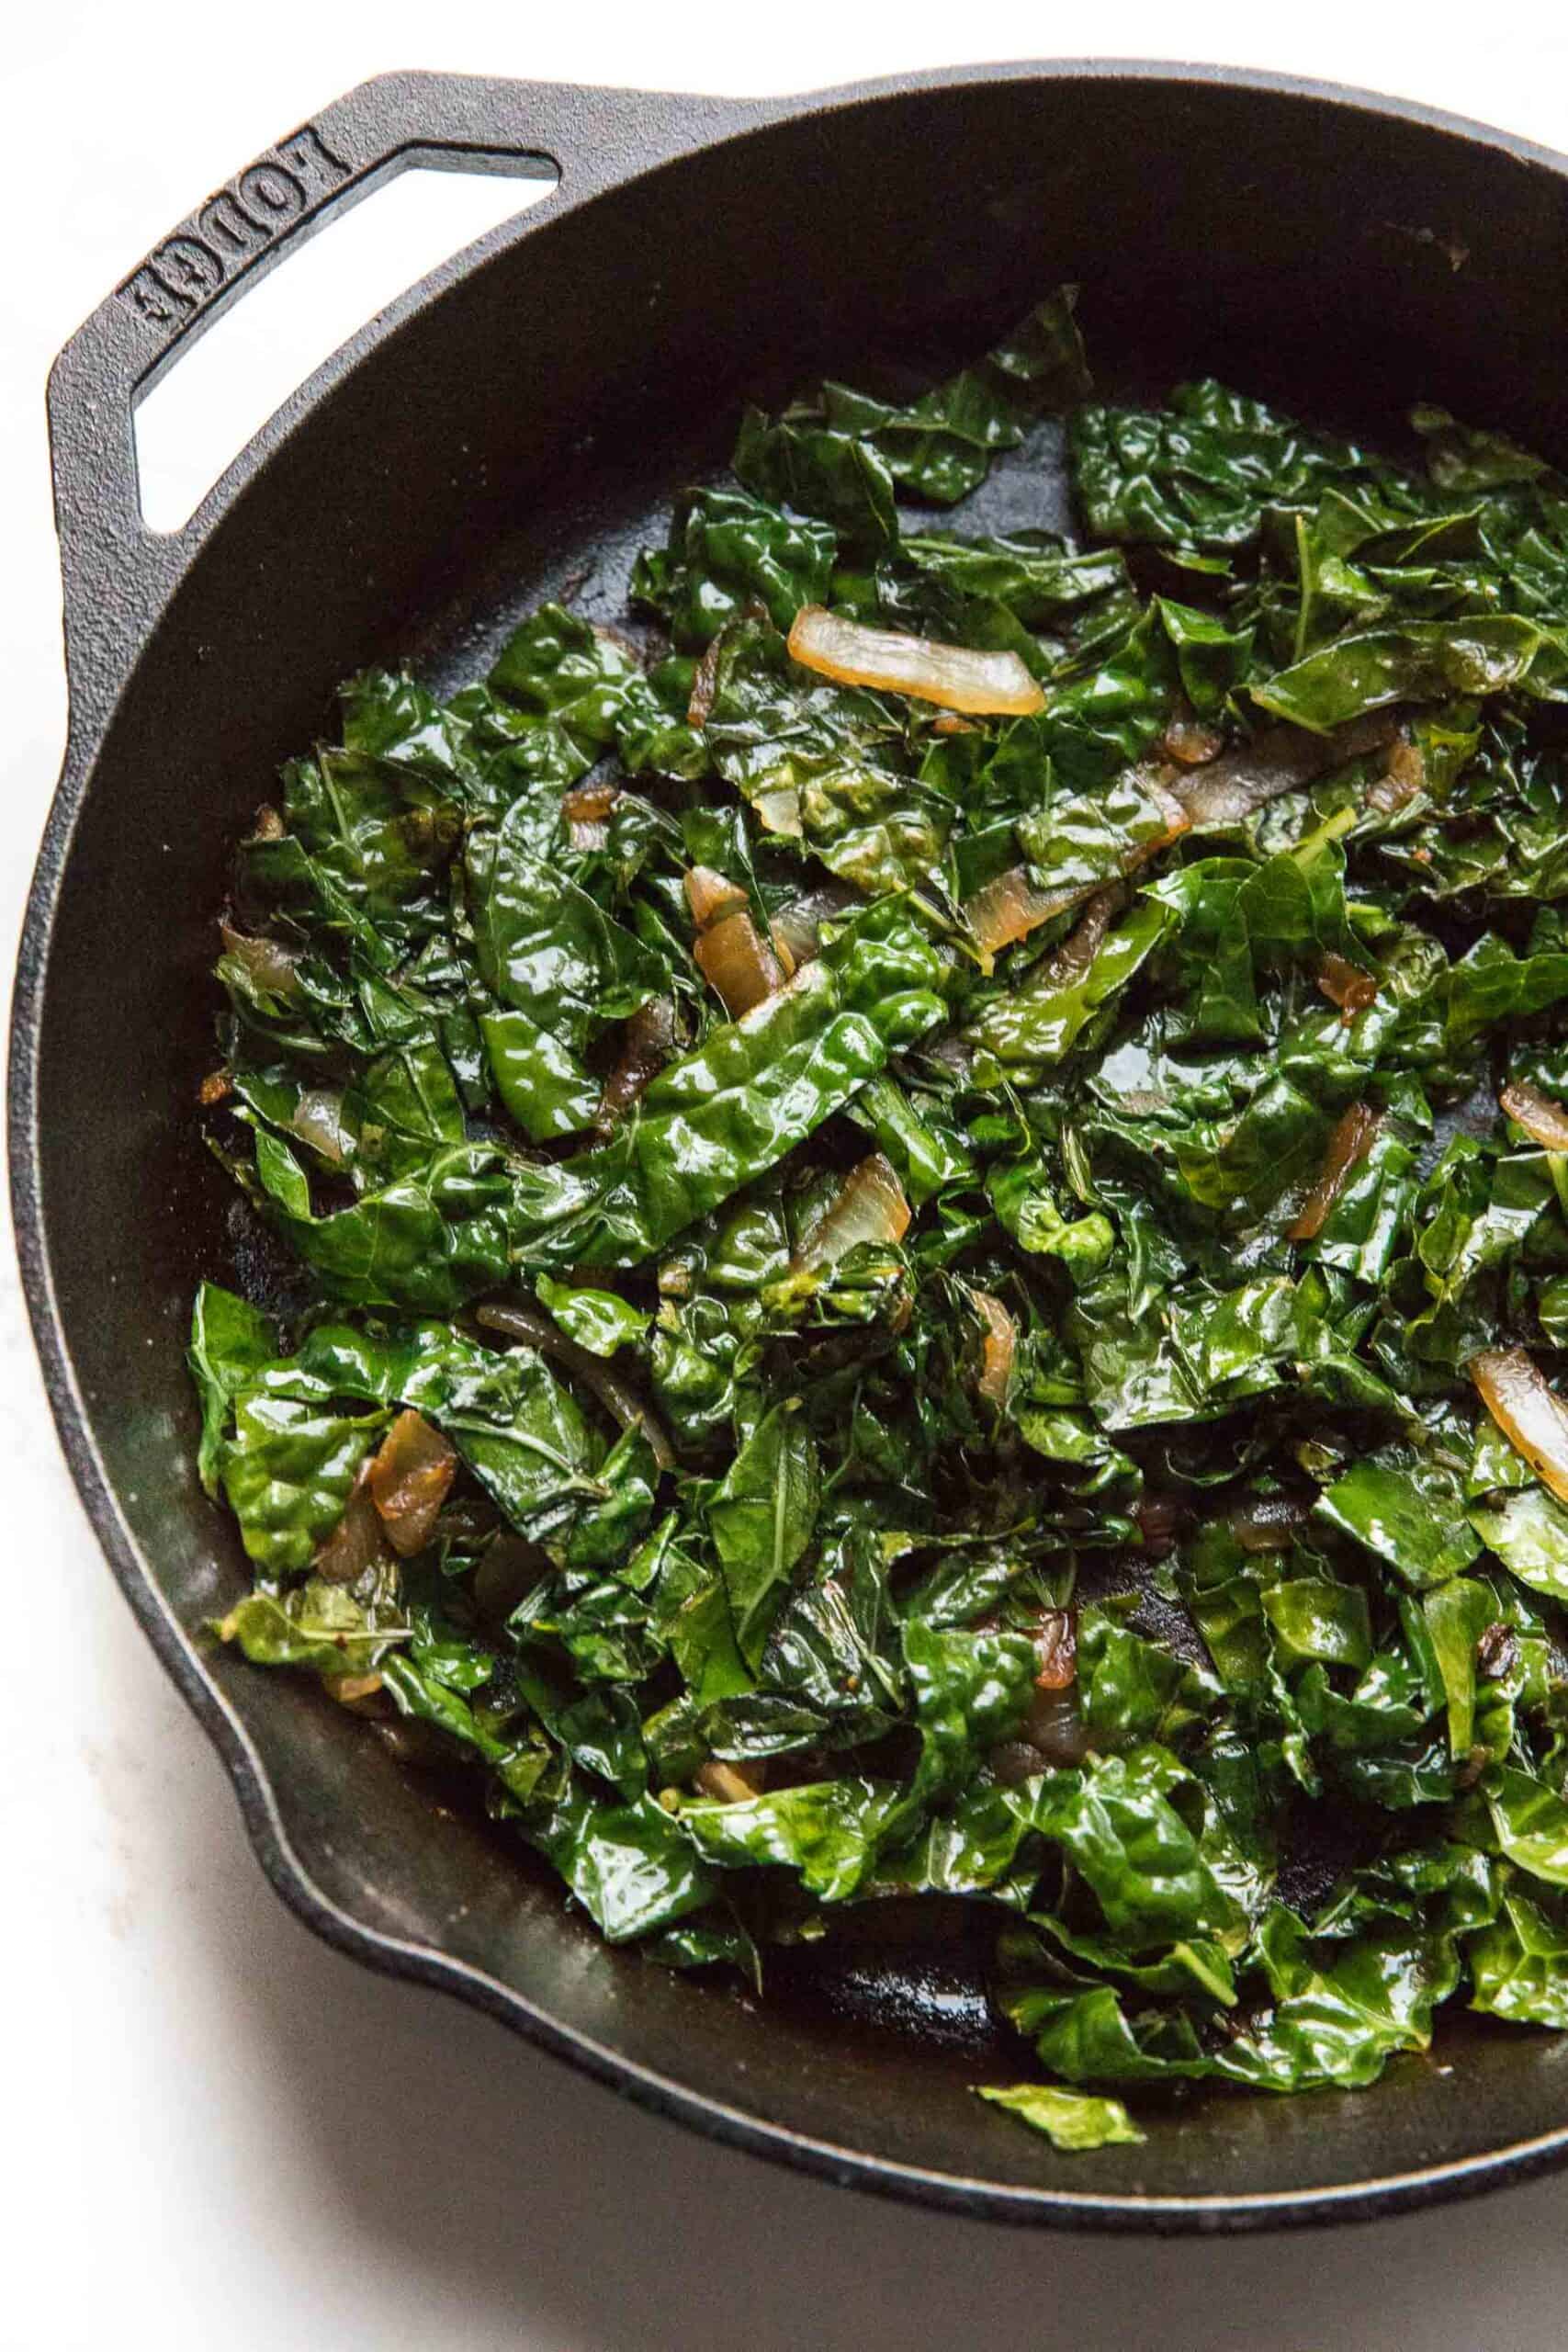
{"points": [[881, 1304]]}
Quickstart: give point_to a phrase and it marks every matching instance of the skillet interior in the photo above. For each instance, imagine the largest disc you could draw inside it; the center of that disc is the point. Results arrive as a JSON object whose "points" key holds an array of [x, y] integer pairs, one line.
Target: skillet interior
{"points": [[524, 433]]}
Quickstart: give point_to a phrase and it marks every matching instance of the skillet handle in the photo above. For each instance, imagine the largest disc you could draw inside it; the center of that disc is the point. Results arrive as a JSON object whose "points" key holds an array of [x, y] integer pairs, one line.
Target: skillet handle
{"points": [[117, 573]]}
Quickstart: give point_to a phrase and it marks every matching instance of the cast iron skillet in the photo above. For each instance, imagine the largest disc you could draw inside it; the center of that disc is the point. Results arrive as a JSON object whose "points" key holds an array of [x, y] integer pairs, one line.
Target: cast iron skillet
{"points": [[508, 429]]}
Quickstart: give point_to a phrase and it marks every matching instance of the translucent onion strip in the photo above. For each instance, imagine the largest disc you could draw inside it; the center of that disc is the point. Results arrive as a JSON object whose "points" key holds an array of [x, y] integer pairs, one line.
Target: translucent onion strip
{"points": [[617, 1396], [356, 1541], [710, 895], [1348, 1147], [1057, 1650], [1278, 759], [869, 1207], [1543, 1120], [729, 1783], [1343, 984], [410, 1475], [1531, 1416], [1009, 906], [735, 959], [268, 966], [1001, 1343], [955, 675], [646, 1044]]}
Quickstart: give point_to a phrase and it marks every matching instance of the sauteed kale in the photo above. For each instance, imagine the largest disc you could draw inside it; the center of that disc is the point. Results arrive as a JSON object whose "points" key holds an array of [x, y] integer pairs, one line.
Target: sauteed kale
{"points": [[932, 1215]]}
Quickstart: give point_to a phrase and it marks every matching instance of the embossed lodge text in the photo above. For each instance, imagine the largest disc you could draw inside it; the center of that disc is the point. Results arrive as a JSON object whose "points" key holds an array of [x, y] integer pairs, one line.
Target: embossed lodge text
{"points": [[207, 252]]}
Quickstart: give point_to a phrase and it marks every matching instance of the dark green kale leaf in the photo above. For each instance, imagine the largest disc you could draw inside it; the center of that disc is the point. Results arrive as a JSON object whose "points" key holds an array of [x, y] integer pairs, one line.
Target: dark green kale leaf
{"points": [[999, 1421]]}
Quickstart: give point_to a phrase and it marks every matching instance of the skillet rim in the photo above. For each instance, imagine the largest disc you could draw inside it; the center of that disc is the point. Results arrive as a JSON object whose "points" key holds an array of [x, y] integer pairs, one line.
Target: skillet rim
{"points": [[679, 125]]}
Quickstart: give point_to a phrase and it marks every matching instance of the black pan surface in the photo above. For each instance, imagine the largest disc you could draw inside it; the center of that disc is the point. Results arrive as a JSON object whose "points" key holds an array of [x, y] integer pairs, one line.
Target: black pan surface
{"points": [[515, 427]]}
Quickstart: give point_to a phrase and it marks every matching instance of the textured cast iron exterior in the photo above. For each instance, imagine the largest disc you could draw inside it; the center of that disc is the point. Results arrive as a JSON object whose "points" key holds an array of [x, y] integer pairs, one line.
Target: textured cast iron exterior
{"points": [[516, 416]]}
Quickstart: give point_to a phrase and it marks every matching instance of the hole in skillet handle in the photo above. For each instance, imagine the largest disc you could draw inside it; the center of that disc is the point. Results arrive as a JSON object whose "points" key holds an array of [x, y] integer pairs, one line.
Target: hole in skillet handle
{"points": [[196, 414]]}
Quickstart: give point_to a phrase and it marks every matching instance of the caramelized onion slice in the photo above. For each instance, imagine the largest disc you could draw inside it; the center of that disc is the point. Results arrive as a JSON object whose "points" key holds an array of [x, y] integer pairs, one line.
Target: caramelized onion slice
{"points": [[1009, 908], [1531, 1416], [267, 962], [1268, 1524], [1343, 984], [954, 675], [1082, 944], [1001, 1342], [617, 1396], [869, 1207], [646, 1044], [1278, 759], [317, 1121], [1189, 743], [587, 809], [796, 929], [1348, 1147], [729, 1783], [704, 685], [1159, 1517], [1543, 1120], [710, 895], [410, 1475], [735, 959], [1057, 1648], [1403, 777], [357, 1539], [352, 1690], [589, 804], [1055, 1728]]}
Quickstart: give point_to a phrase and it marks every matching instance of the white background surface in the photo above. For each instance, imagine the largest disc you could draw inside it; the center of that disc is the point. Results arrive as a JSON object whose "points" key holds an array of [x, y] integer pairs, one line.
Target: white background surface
{"points": [[216, 2131]]}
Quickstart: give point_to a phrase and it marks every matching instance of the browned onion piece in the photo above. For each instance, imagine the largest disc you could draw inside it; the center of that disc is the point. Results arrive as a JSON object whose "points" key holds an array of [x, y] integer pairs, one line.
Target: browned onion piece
{"points": [[1345, 985], [1053, 1735], [704, 685], [317, 1121], [267, 962], [1159, 1517], [1055, 1728], [796, 929], [1001, 1341], [710, 895], [1531, 1416], [587, 812], [356, 1541], [730, 1783], [1278, 759], [646, 1044], [734, 959], [618, 1397], [1347, 1147], [1057, 1648], [868, 1206], [1403, 776], [216, 1087], [1544, 1121], [1015, 1761], [412, 1469], [589, 804], [955, 675], [1268, 1524], [351, 1690], [1189, 743], [1009, 906], [1082, 944]]}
